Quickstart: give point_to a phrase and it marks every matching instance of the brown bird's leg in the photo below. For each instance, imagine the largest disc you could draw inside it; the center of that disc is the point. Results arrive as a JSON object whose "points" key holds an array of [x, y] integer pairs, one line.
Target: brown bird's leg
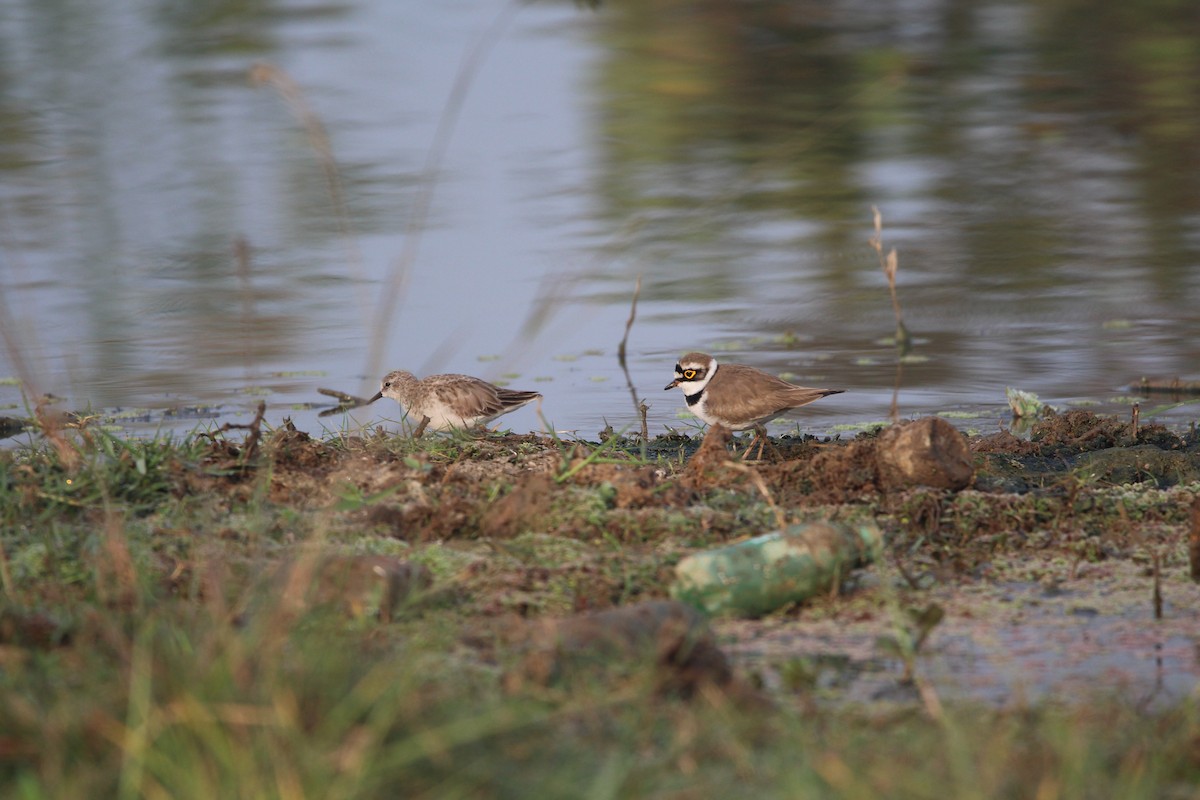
{"points": [[758, 439], [760, 436], [421, 428]]}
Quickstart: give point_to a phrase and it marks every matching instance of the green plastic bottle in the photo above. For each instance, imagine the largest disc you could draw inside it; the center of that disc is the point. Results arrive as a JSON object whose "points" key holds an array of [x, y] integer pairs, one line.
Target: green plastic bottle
{"points": [[759, 575]]}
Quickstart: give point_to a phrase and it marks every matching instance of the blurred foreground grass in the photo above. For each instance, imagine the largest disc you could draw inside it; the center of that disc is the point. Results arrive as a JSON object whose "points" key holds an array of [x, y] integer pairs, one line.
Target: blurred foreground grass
{"points": [[146, 650]]}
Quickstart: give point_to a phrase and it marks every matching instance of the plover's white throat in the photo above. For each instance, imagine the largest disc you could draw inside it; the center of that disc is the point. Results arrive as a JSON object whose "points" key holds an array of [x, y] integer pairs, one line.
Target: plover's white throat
{"points": [[442, 402], [736, 396]]}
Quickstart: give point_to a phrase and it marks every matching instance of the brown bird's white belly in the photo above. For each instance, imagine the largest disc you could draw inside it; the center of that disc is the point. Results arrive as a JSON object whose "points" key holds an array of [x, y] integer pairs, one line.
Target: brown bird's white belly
{"points": [[701, 410]]}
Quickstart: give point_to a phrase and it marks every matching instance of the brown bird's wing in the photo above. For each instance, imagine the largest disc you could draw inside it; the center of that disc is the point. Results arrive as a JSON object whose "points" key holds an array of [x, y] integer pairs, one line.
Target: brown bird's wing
{"points": [[514, 398], [802, 395], [772, 395], [478, 398]]}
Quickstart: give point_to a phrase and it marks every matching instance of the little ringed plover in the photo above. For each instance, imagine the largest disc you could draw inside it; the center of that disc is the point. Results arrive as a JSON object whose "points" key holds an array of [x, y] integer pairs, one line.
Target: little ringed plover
{"points": [[736, 396], [442, 402]]}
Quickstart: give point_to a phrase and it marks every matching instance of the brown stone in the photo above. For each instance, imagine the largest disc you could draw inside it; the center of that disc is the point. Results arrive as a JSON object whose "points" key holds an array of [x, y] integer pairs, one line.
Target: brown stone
{"points": [[359, 585], [669, 637], [925, 452]]}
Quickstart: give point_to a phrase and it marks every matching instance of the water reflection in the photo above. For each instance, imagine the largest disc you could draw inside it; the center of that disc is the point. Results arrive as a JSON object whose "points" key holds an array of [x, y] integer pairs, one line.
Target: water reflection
{"points": [[1032, 162], [1012, 186]]}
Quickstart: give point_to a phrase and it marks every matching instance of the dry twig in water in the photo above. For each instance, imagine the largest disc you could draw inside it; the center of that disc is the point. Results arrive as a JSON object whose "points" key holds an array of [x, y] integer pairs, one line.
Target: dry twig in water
{"points": [[1158, 598], [1168, 386], [346, 402], [639, 406]]}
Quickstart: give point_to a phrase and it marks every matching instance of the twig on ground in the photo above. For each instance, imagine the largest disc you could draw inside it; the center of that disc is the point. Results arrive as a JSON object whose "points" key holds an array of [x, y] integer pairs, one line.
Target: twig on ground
{"points": [[250, 445]]}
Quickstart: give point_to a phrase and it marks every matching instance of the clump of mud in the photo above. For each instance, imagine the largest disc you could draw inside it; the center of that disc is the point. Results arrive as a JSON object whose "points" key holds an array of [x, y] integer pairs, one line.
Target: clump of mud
{"points": [[1079, 442]]}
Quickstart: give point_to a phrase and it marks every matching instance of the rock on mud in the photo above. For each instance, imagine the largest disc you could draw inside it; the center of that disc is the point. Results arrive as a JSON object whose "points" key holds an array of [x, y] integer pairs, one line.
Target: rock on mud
{"points": [[925, 452], [670, 638], [359, 585]]}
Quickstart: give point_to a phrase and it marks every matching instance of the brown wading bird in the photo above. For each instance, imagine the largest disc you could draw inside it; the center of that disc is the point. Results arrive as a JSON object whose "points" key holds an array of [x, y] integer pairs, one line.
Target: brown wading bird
{"points": [[738, 397], [443, 402]]}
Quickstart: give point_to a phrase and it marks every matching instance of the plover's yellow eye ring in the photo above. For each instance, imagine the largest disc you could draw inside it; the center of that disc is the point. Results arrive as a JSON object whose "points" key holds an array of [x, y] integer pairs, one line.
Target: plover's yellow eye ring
{"points": [[688, 374]]}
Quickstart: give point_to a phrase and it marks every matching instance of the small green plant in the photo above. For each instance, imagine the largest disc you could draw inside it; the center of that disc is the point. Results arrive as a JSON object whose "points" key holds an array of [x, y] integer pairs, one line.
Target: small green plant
{"points": [[910, 628]]}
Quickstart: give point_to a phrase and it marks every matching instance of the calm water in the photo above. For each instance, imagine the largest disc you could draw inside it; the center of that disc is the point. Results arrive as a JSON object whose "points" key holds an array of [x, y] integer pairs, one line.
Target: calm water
{"points": [[1037, 166]]}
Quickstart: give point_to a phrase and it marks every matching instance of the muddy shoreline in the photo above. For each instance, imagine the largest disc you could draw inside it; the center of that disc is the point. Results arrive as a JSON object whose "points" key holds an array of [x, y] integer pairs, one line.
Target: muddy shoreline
{"points": [[1042, 556]]}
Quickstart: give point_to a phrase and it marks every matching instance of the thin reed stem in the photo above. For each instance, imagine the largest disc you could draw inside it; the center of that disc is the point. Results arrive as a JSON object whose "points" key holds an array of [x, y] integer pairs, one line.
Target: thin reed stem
{"points": [[398, 274]]}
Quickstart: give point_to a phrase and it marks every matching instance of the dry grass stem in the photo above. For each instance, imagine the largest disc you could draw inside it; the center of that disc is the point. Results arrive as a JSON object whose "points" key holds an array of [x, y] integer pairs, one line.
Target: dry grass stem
{"points": [[116, 582], [763, 489], [890, 263], [894, 410], [398, 273], [6, 580], [553, 293], [318, 139]]}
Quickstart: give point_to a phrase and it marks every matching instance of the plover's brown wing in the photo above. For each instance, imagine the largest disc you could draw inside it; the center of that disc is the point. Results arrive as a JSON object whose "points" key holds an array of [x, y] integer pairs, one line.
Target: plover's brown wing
{"points": [[802, 395], [744, 392]]}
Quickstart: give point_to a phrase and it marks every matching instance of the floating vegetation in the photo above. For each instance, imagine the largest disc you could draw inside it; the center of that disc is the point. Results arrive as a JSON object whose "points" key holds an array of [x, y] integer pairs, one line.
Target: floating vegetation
{"points": [[125, 414], [913, 358], [790, 339], [843, 427], [1024, 405]]}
